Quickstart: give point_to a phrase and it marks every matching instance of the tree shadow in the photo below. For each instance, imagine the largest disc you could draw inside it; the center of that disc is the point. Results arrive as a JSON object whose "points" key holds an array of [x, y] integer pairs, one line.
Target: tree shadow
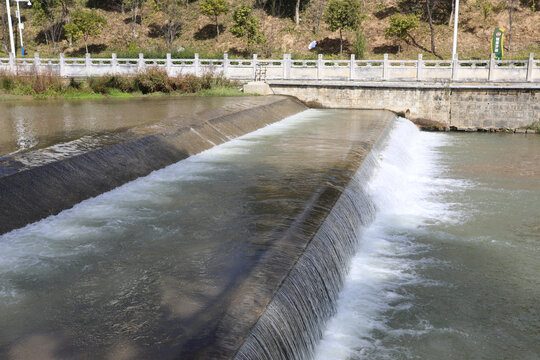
{"points": [[386, 49], [138, 20], [388, 11], [331, 46], [242, 53], [155, 31], [92, 49], [109, 5], [208, 32]]}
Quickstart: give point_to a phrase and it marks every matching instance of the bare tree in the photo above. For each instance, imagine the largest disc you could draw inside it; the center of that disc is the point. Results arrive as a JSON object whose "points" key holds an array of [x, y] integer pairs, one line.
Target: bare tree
{"points": [[297, 12], [510, 27], [171, 11], [430, 5], [135, 7], [5, 35]]}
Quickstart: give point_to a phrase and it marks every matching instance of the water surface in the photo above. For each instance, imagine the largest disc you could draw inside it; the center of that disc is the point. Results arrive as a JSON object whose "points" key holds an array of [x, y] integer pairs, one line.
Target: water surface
{"points": [[450, 268], [147, 270]]}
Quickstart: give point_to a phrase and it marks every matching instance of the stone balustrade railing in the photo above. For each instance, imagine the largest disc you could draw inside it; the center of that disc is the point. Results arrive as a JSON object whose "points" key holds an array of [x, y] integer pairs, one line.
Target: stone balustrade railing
{"points": [[289, 69]]}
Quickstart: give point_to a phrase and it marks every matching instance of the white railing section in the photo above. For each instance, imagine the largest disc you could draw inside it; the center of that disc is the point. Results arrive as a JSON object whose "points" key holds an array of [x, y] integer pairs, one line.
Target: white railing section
{"points": [[288, 69]]}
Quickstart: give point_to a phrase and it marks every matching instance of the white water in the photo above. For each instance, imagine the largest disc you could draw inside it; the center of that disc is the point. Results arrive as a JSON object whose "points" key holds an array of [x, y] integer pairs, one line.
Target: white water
{"points": [[403, 190]]}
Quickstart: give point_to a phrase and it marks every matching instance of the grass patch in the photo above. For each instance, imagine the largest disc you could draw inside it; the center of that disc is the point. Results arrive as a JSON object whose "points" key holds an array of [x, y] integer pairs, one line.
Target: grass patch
{"points": [[82, 95], [220, 91]]}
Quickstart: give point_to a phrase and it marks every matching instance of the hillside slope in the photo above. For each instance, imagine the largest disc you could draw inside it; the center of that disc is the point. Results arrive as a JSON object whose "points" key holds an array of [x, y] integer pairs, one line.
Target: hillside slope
{"points": [[284, 36]]}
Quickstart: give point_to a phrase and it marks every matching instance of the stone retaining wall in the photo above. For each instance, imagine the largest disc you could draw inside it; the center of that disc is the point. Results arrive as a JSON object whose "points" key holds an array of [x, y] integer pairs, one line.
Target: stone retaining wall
{"points": [[457, 106]]}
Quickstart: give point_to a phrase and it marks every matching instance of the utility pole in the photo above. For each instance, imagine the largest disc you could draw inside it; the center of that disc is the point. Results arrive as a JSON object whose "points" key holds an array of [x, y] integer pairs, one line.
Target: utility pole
{"points": [[12, 41], [454, 46]]}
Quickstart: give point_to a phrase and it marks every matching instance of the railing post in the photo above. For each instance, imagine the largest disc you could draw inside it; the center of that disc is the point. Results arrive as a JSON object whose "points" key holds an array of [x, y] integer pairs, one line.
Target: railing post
{"points": [[140, 64], [530, 67], [492, 64], [114, 64], [37, 63], [419, 68], [386, 74], [320, 63], [254, 67], [455, 67], [225, 64], [62, 64], [87, 63], [287, 66], [168, 64], [12, 64], [197, 64], [351, 67]]}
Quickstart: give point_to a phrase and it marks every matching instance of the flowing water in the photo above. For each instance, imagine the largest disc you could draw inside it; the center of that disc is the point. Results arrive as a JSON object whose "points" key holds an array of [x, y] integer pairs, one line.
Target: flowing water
{"points": [[147, 270], [450, 268]]}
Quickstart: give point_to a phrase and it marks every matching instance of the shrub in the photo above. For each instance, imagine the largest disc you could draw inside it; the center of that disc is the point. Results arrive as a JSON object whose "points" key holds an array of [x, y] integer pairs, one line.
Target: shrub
{"points": [[153, 80]]}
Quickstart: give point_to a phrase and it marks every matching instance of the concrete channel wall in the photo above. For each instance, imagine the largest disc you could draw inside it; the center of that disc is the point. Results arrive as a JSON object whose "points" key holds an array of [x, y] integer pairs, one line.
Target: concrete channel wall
{"points": [[456, 106], [33, 193], [289, 69]]}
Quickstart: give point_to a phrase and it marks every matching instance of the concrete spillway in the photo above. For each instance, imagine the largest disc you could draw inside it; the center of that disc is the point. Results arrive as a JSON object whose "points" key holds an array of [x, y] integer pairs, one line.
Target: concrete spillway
{"points": [[35, 185], [238, 252]]}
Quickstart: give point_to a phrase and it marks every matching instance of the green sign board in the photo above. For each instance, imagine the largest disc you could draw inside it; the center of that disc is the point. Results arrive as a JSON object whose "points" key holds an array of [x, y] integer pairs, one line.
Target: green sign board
{"points": [[497, 43]]}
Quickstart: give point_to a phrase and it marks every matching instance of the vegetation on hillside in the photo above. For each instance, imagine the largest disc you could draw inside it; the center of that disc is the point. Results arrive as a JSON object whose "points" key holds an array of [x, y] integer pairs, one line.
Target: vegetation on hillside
{"points": [[270, 28]]}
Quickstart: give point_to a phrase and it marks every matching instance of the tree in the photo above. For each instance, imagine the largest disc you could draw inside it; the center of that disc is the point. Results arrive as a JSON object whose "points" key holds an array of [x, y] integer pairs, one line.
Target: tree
{"points": [[214, 8], [85, 23], [316, 13], [246, 25], [430, 6], [341, 15], [134, 6], [401, 27], [50, 16], [5, 35], [171, 13]]}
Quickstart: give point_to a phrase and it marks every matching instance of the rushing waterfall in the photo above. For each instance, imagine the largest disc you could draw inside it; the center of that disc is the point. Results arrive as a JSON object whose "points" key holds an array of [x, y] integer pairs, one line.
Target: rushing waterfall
{"points": [[292, 324]]}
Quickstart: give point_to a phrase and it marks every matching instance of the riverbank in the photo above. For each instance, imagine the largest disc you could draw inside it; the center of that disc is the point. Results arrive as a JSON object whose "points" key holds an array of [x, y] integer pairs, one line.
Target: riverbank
{"points": [[152, 82]]}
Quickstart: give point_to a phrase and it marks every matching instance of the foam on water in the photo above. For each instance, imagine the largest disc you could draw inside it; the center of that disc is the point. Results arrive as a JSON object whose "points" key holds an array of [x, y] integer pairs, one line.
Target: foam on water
{"points": [[404, 190]]}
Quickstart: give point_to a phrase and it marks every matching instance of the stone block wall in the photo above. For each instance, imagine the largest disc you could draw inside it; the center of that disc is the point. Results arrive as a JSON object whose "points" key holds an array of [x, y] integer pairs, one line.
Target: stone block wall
{"points": [[462, 108]]}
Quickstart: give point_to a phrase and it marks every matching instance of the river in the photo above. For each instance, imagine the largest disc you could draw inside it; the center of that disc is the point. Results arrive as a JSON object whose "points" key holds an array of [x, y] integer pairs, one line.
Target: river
{"points": [[450, 267]]}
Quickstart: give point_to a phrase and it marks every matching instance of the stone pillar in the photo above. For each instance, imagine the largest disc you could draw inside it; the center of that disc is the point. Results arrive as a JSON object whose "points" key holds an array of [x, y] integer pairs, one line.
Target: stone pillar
{"points": [[114, 64], [225, 65], [140, 64], [168, 64], [320, 64], [62, 64], [197, 64], [455, 67], [37, 63], [386, 73], [419, 68], [352, 67], [530, 66], [12, 63], [87, 63], [492, 63], [287, 66], [254, 64]]}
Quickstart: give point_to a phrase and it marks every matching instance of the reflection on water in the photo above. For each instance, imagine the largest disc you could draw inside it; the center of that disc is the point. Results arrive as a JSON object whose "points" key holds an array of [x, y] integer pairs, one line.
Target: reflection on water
{"points": [[31, 125], [148, 268]]}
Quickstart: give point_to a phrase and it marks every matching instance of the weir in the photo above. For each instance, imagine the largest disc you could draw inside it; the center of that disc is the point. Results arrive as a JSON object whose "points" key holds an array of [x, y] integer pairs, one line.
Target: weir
{"points": [[238, 252]]}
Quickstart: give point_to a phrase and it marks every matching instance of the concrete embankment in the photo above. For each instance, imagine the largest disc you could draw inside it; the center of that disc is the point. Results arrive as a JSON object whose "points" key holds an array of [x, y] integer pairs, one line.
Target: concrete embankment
{"points": [[29, 193], [456, 106]]}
